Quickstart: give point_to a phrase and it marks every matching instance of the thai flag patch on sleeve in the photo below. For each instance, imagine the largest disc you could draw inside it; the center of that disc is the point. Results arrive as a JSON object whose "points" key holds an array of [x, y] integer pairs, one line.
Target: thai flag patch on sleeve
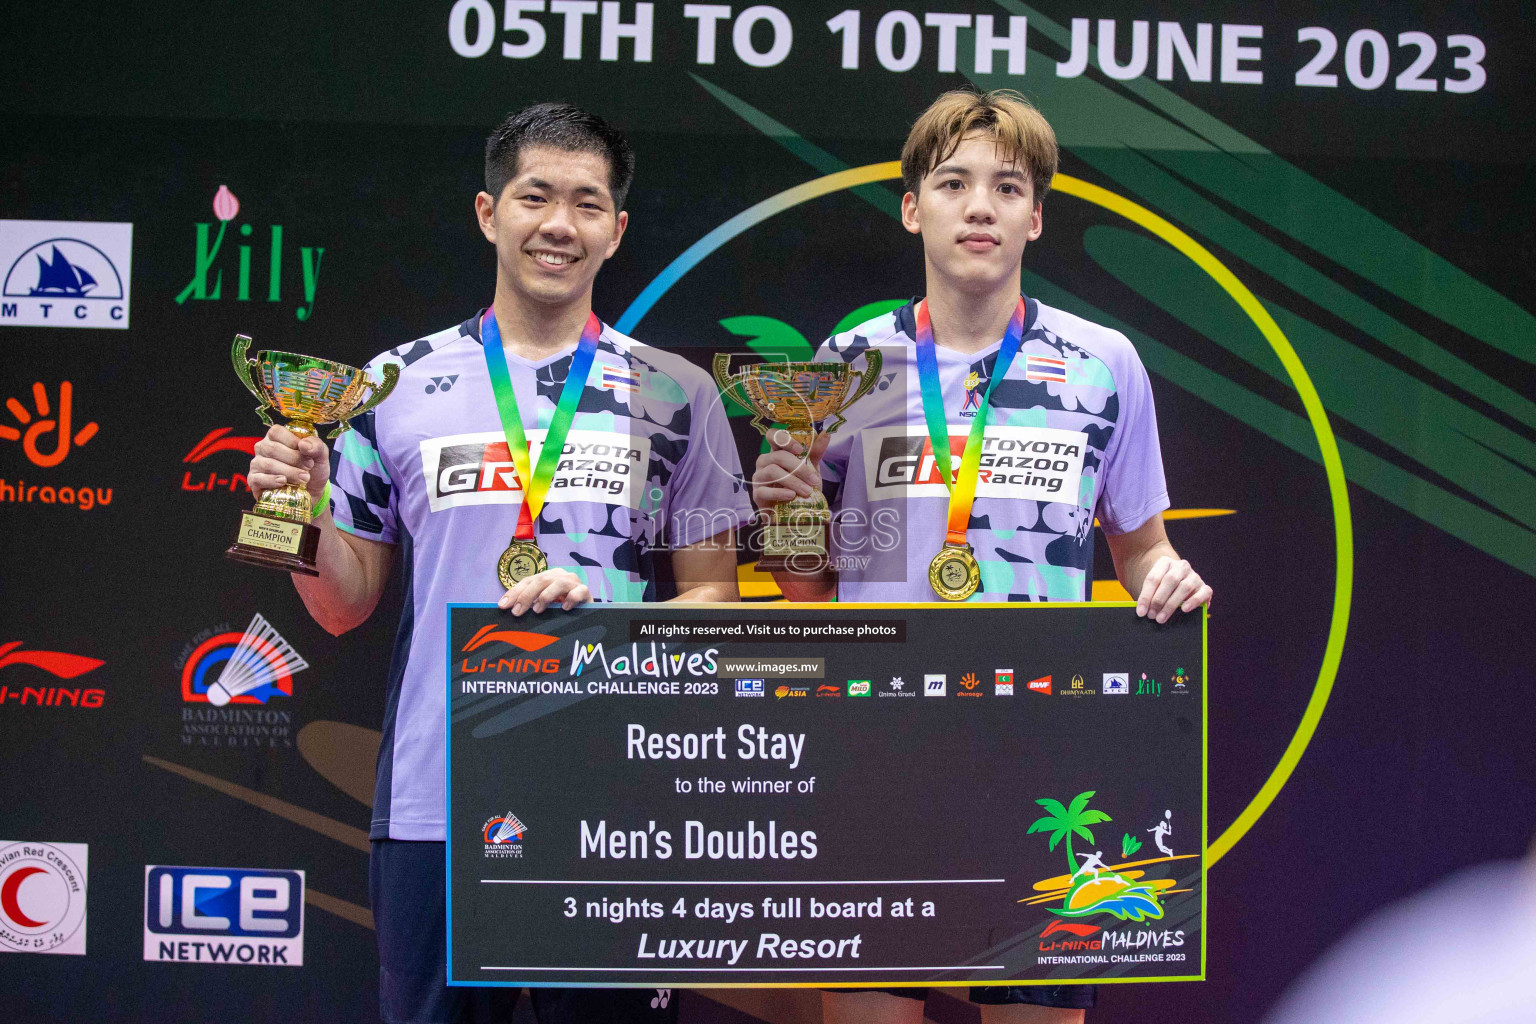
{"points": [[619, 378], [1045, 368]]}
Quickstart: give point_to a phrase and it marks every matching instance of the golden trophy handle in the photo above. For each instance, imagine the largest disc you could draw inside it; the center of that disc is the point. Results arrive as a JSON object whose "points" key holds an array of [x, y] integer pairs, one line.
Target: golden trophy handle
{"points": [[243, 371], [873, 361], [376, 394], [867, 377], [730, 385]]}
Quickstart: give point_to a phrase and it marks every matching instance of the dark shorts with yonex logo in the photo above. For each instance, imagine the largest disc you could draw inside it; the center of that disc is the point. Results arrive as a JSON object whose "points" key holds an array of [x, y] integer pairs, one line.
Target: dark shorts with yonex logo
{"points": [[408, 888]]}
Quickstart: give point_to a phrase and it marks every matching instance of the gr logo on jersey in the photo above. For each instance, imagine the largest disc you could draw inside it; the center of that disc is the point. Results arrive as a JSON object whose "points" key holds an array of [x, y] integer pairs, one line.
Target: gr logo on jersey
{"points": [[477, 469], [224, 916], [1035, 463]]}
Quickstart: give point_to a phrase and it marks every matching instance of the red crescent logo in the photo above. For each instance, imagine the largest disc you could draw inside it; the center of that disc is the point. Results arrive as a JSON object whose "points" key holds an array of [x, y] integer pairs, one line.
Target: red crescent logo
{"points": [[8, 902], [525, 641]]}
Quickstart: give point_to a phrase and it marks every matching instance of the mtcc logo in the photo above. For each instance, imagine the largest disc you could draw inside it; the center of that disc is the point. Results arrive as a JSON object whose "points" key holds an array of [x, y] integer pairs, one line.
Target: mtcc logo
{"points": [[65, 273]]}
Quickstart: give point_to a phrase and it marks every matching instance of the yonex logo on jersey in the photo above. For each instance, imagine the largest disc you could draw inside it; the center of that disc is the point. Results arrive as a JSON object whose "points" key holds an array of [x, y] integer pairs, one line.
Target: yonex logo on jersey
{"points": [[441, 384], [1035, 463], [477, 469]]}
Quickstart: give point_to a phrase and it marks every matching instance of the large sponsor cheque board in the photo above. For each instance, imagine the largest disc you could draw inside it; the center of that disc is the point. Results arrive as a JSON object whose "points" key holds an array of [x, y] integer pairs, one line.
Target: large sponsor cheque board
{"points": [[667, 795]]}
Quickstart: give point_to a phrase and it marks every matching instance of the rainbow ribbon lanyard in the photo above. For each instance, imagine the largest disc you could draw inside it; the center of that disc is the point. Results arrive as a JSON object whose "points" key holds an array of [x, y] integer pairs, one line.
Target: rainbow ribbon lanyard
{"points": [[961, 486], [536, 485]]}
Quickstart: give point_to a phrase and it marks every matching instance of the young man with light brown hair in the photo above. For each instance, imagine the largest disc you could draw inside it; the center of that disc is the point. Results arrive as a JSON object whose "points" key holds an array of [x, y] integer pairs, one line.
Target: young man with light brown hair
{"points": [[1066, 434]]}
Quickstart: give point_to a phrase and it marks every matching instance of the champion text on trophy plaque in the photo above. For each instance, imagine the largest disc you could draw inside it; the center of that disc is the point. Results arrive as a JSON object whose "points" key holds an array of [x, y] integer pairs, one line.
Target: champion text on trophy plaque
{"points": [[277, 533]]}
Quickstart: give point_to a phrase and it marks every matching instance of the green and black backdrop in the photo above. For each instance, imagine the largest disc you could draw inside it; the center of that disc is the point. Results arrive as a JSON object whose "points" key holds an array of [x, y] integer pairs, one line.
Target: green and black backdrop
{"points": [[1313, 221]]}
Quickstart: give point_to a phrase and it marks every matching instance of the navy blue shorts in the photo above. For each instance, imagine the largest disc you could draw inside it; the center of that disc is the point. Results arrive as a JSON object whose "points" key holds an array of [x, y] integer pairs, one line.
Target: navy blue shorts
{"points": [[407, 886], [1069, 997]]}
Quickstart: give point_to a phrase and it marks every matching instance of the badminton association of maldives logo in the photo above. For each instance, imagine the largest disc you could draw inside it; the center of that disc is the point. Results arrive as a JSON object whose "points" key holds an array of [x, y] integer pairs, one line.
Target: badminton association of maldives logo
{"points": [[228, 680], [503, 836]]}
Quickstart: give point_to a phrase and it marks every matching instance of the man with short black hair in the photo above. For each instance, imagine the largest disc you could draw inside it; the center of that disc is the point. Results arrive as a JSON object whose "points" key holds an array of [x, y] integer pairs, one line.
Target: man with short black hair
{"points": [[448, 474]]}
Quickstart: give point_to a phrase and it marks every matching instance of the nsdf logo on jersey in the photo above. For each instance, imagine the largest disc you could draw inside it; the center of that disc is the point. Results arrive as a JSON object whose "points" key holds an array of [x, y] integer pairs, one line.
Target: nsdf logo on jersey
{"points": [[477, 469], [252, 916], [1034, 463], [65, 273]]}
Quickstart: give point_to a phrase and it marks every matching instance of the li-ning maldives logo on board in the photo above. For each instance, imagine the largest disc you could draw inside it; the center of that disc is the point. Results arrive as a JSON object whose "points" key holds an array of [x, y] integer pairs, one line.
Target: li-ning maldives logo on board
{"points": [[490, 663], [207, 284], [65, 273]]}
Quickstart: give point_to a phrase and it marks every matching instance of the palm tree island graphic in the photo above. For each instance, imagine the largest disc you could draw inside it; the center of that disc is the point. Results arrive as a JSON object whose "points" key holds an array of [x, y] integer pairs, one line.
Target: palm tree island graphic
{"points": [[1091, 886]]}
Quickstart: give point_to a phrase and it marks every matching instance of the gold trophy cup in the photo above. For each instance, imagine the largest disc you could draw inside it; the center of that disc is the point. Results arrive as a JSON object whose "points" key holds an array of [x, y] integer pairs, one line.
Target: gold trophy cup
{"points": [[278, 534], [799, 396]]}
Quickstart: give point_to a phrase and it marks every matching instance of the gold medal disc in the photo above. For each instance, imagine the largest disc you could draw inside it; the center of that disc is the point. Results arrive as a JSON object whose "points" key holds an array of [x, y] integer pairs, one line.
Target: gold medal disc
{"points": [[954, 573], [521, 560]]}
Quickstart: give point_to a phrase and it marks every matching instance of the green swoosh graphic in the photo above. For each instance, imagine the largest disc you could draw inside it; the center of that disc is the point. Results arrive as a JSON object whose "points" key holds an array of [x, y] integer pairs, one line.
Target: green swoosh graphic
{"points": [[1482, 490], [1271, 189], [1473, 452]]}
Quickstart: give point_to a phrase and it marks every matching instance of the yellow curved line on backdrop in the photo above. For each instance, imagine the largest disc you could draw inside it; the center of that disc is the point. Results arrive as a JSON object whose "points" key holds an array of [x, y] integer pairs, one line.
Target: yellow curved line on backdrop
{"points": [[1318, 417]]}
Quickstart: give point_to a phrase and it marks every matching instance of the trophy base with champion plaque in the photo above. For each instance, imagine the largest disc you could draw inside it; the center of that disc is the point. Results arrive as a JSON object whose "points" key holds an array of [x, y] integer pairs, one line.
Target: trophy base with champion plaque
{"points": [[799, 396], [278, 532]]}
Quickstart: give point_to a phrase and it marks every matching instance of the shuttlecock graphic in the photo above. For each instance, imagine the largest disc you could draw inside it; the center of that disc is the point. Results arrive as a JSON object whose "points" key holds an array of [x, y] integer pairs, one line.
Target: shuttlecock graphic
{"points": [[261, 657], [510, 828]]}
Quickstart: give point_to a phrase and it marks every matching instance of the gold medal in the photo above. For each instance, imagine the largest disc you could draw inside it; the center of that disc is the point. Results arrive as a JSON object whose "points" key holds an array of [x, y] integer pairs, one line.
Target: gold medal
{"points": [[954, 573], [521, 560]]}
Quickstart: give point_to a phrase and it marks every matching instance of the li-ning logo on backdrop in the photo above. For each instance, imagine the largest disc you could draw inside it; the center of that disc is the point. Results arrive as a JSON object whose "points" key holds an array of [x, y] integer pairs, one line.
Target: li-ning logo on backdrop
{"points": [[476, 469], [65, 273], [220, 439], [57, 664], [503, 836], [207, 282]]}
